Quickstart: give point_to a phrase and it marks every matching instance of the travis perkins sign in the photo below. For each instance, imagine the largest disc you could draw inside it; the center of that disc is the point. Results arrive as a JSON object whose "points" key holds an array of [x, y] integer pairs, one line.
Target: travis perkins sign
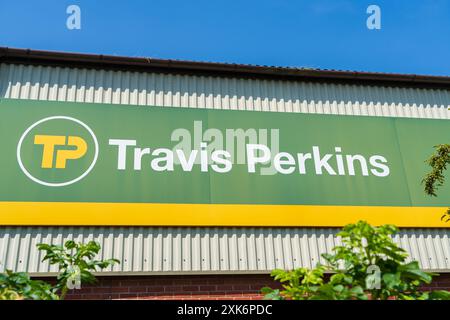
{"points": [[97, 164]]}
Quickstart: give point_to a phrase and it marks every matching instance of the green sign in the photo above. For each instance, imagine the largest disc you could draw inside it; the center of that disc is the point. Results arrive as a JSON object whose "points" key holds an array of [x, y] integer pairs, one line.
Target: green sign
{"points": [[72, 153]]}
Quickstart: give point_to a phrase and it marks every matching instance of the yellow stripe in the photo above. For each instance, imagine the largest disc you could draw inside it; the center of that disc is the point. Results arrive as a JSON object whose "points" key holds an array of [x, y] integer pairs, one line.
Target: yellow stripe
{"points": [[155, 214]]}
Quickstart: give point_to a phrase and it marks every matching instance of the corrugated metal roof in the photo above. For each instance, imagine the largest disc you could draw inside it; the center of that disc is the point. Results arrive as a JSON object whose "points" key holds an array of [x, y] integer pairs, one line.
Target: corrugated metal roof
{"points": [[220, 250], [191, 250], [96, 61]]}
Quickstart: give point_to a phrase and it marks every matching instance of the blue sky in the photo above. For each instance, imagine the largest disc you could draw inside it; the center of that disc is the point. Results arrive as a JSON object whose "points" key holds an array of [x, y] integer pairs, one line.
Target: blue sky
{"points": [[414, 38]]}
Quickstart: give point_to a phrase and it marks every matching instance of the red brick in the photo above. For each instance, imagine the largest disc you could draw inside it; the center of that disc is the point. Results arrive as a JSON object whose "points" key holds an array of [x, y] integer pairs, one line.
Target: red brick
{"points": [[137, 289], [241, 287], [174, 289], [190, 288], [182, 281], [104, 283], [201, 280], [165, 282], [208, 288], [93, 296], [157, 288], [224, 288], [119, 289], [104, 290], [216, 281], [127, 295], [128, 283], [242, 280], [148, 282]]}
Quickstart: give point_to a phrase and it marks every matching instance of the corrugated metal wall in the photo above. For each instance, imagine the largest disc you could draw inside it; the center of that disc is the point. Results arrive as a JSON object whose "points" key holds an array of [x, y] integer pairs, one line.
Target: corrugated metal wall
{"points": [[207, 249], [213, 249], [132, 88]]}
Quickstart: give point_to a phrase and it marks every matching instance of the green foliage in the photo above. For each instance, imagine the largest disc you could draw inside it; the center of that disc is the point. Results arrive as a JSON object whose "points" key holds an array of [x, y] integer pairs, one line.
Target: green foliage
{"points": [[75, 262], [297, 283], [19, 286], [438, 163], [368, 265]]}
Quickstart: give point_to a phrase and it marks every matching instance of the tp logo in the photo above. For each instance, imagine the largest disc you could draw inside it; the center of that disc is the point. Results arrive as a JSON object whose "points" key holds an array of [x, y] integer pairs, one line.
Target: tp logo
{"points": [[49, 143], [57, 151]]}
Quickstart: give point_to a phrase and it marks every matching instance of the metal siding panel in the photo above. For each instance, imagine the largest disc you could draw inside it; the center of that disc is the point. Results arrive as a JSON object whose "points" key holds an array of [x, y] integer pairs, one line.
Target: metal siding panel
{"points": [[157, 251], [322, 245], [137, 251], [422, 250], [167, 241], [44, 84], [241, 249], [251, 258], [430, 249], [148, 252], [36, 255], [24, 246], [205, 252], [176, 250], [4, 79], [233, 251], [296, 256], [446, 249], [223, 252], [313, 247], [304, 250], [46, 238], [215, 251], [118, 251], [31, 255], [134, 88], [287, 252], [415, 250], [260, 257], [438, 251], [106, 243], [278, 249], [186, 252], [195, 250], [269, 249]]}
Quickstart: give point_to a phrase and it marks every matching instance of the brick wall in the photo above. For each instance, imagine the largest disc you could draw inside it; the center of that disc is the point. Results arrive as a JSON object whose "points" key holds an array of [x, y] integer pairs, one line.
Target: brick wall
{"points": [[198, 287], [195, 287], [442, 282]]}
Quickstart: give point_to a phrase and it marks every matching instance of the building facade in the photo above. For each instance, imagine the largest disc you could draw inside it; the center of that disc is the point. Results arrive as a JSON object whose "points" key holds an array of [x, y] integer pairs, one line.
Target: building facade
{"points": [[209, 261]]}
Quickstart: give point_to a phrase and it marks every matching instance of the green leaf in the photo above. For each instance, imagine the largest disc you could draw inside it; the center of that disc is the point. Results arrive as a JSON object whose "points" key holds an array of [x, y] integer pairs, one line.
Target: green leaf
{"points": [[391, 280], [439, 295], [274, 295], [413, 271], [70, 244]]}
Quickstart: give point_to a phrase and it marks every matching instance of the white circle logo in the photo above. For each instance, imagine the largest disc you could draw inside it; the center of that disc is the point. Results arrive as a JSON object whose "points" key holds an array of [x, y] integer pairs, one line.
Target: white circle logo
{"points": [[49, 153]]}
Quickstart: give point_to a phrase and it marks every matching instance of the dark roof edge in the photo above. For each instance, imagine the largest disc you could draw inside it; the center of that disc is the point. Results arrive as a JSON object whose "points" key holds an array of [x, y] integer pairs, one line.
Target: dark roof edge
{"points": [[38, 57]]}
